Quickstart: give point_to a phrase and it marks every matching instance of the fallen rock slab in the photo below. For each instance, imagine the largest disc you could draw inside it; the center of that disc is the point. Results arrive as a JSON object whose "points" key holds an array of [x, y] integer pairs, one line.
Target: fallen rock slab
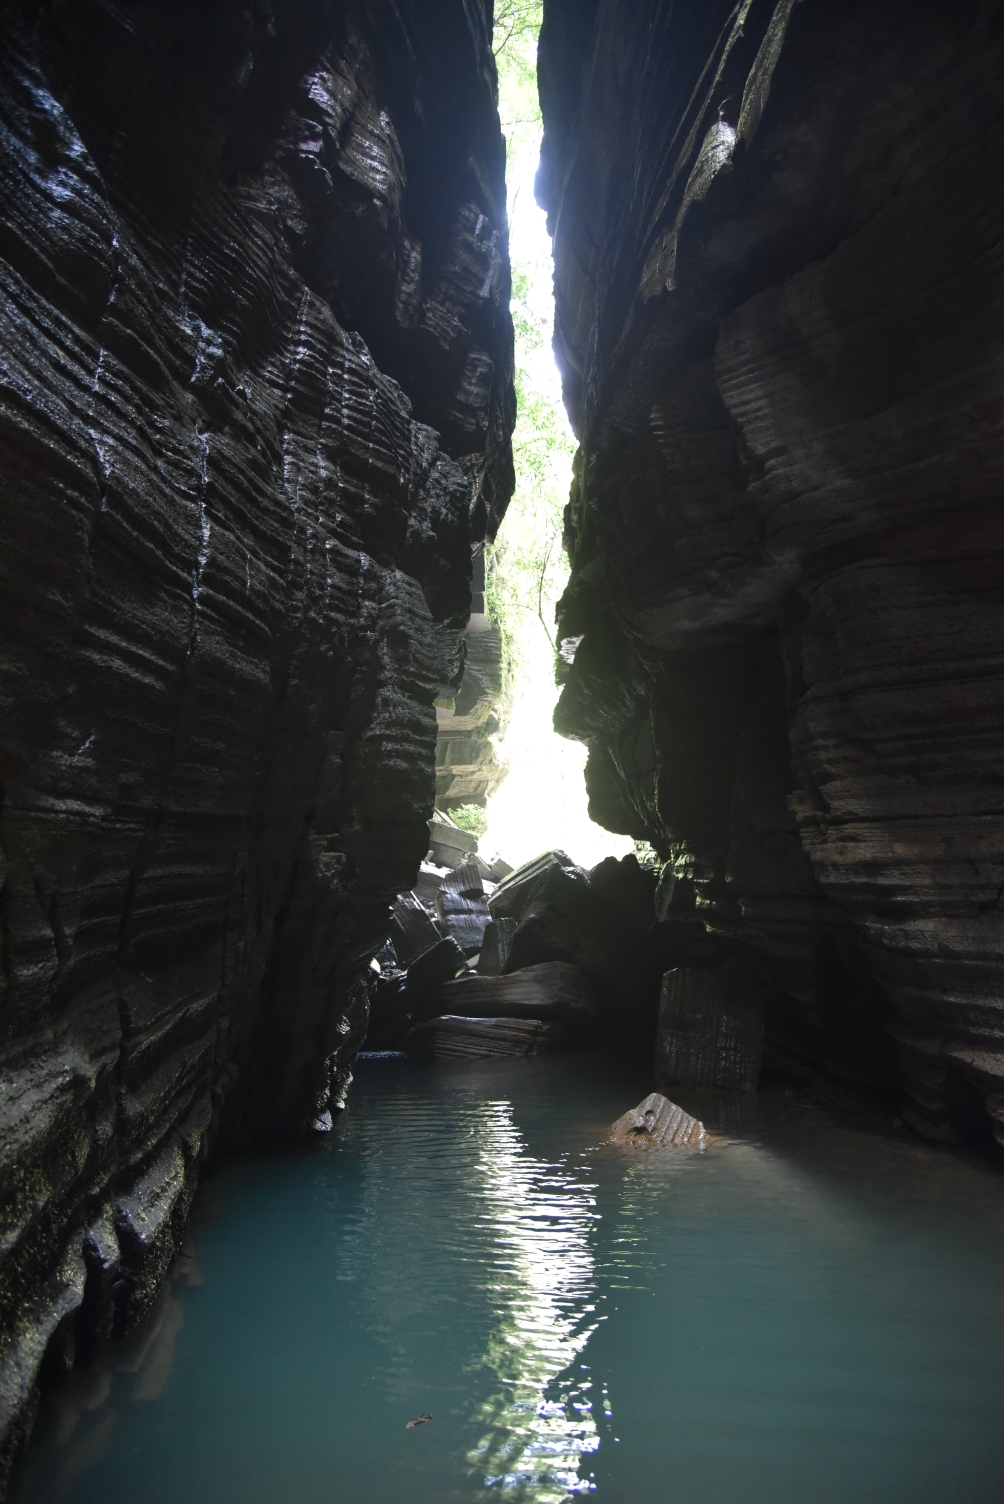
{"points": [[658, 1123], [554, 990], [452, 1038]]}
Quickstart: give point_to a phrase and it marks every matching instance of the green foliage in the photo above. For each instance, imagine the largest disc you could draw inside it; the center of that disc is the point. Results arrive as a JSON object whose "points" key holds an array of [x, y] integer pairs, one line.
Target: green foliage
{"points": [[526, 568], [470, 817]]}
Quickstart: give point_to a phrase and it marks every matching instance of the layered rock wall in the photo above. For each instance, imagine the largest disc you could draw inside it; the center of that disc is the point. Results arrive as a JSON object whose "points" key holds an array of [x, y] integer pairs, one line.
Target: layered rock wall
{"points": [[778, 243], [256, 365]]}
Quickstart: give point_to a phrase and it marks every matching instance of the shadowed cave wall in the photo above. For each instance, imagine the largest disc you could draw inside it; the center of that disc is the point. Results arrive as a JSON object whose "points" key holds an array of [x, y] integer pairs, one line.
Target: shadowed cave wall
{"points": [[778, 242], [254, 425]]}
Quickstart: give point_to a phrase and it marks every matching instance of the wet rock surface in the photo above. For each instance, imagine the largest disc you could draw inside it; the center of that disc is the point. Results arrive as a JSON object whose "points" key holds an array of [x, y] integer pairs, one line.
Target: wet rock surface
{"points": [[256, 403], [658, 1123], [777, 238]]}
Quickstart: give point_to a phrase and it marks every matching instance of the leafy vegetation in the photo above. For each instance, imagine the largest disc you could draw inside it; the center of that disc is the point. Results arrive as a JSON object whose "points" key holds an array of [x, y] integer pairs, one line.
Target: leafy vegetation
{"points": [[470, 817], [526, 568]]}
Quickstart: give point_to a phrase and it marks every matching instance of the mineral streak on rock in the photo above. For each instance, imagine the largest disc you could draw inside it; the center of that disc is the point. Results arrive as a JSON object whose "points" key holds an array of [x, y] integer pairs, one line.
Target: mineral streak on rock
{"points": [[778, 238], [657, 1123], [710, 1028], [256, 404]]}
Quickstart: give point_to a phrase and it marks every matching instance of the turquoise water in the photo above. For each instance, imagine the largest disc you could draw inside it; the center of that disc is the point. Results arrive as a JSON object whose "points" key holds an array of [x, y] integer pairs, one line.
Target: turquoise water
{"points": [[812, 1313]]}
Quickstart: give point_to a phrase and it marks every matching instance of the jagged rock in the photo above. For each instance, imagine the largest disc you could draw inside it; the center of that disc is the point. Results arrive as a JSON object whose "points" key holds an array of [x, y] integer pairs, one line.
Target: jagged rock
{"points": [[782, 627], [562, 918], [411, 929], [256, 401], [495, 943], [512, 893], [553, 991], [453, 1038], [462, 907], [658, 1123], [710, 1029]]}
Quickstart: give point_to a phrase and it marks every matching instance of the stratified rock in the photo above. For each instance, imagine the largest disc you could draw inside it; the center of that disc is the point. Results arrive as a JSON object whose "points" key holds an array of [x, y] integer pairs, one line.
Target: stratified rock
{"points": [[448, 844], [467, 768], [658, 1123], [462, 907], [412, 930], [255, 403], [428, 883], [710, 1029], [452, 1038], [553, 991], [782, 631], [495, 943]]}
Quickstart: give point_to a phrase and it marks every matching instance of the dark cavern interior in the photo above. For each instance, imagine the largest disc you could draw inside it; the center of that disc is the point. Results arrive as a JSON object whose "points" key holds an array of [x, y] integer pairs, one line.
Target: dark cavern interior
{"points": [[359, 1141]]}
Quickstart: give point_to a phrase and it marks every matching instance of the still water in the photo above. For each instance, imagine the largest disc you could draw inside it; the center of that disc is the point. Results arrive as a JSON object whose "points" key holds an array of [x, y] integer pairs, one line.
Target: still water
{"points": [[813, 1312]]}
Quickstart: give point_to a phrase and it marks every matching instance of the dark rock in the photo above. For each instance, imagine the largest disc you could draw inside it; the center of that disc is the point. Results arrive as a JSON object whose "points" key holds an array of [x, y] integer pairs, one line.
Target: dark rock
{"points": [[627, 888], [436, 965], [710, 1029], [495, 943], [564, 919], [256, 403], [782, 628], [462, 907], [658, 1123], [511, 896], [411, 929], [452, 1038]]}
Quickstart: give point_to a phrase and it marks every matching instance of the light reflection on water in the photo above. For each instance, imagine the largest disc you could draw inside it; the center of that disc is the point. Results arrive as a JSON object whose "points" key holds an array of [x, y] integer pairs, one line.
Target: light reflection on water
{"points": [[815, 1312], [544, 1297]]}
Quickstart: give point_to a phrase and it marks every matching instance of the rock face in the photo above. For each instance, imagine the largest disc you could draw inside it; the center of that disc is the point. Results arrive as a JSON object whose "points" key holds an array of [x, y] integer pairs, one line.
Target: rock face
{"points": [[256, 404], [778, 242]]}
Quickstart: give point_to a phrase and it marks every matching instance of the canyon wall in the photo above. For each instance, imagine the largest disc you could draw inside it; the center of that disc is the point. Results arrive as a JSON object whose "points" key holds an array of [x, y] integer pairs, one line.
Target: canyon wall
{"points": [[255, 411], [778, 235]]}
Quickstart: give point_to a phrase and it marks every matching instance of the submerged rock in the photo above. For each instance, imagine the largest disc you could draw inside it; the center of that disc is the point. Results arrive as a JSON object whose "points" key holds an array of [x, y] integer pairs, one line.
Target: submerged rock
{"points": [[450, 1037], [658, 1123]]}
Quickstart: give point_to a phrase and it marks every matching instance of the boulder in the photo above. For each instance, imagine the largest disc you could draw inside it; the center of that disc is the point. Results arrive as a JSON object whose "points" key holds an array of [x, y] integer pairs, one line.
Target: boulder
{"points": [[462, 906], [495, 943], [552, 991], [453, 1038], [412, 930], [448, 844], [511, 896], [658, 1123], [710, 1028]]}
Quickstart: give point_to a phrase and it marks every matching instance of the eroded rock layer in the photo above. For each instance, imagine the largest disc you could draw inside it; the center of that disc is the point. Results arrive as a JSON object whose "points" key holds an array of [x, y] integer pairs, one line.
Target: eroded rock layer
{"points": [[254, 420], [778, 245]]}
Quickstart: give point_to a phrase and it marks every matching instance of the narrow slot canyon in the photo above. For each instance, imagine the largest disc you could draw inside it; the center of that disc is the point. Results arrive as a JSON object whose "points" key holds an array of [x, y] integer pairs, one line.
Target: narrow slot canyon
{"points": [[501, 708]]}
